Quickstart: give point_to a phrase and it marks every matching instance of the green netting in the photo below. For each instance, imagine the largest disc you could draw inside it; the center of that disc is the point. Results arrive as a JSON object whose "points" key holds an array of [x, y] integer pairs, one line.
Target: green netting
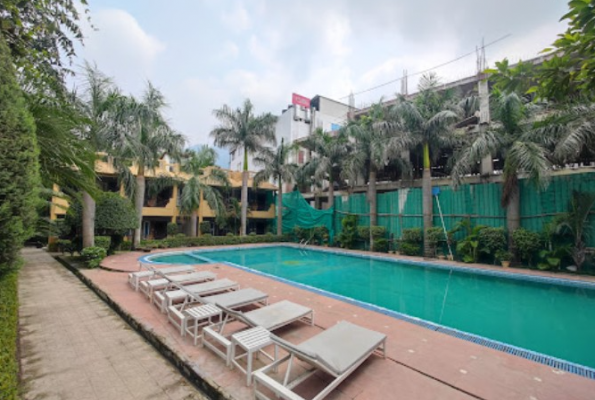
{"points": [[479, 203], [297, 212]]}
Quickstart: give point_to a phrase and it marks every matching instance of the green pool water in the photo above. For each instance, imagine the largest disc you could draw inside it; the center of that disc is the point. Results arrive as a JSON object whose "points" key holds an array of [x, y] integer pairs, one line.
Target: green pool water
{"points": [[552, 319]]}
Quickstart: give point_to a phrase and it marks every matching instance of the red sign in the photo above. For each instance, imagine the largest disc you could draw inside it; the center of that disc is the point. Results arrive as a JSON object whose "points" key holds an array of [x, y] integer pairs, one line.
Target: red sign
{"points": [[300, 100]]}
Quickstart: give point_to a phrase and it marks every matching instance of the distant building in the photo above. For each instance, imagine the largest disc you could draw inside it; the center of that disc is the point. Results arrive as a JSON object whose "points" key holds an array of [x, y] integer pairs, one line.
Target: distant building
{"points": [[164, 207], [296, 122]]}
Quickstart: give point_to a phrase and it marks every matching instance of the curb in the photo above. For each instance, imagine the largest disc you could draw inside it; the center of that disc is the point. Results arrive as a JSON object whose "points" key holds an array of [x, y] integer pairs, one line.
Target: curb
{"points": [[203, 385]]}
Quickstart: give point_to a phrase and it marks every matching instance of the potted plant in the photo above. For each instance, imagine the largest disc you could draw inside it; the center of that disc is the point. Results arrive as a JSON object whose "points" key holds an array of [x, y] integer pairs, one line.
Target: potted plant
{"points": [[505, 257]]}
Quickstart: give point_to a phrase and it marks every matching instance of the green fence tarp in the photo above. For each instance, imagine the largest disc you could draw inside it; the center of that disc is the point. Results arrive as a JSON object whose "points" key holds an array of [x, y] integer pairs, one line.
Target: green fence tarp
{"points": [[297, 212], [479, 203]]}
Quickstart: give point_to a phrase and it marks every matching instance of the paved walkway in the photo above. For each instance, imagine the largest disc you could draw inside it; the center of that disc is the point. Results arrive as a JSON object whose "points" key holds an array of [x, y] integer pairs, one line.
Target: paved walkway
{"points": [[73, 346]]}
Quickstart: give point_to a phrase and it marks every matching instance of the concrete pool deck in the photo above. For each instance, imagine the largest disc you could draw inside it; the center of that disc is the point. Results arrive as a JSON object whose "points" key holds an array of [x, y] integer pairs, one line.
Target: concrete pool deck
{"points": [[420, 364]]}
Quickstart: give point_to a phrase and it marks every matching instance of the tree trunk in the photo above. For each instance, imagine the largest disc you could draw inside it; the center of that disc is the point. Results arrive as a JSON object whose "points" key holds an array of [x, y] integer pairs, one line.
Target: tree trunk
{"points": [[193, 220], [427, 203], [513, 216], [88, 220], [139, 200], [331, 192], [244, 197], [373, 205], [280, 209]]}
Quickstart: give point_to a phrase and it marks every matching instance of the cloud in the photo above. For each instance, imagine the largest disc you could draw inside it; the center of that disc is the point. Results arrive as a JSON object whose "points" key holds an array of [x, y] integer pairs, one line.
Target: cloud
{"points": [[266, 49], [237, 19], [122, 48]]}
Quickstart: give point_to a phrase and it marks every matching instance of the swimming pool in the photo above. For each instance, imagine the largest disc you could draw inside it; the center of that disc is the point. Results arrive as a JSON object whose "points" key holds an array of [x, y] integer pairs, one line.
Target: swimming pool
{"points": [[547, 317]]}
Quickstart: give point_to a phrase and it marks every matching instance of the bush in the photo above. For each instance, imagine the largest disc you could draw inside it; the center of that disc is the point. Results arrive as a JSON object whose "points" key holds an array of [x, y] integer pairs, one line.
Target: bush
{"points": [[348, 234], [527, 244], [377, 232], [172, 229], [492, 240], [410, 249], [103, 241], [204, 227], [434, 236], [126, 245], [8, 336], [65, 246], [19, 168], [209, 240], [412, 235], [93, 256], [381, 246]]}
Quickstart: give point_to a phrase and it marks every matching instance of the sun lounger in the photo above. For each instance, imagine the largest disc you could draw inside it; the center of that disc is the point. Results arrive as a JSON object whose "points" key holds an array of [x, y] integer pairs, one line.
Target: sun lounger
{"points": [[134, 278], [151, 286], [338, 351], [271, 317], [164, 299], [189, 317]]}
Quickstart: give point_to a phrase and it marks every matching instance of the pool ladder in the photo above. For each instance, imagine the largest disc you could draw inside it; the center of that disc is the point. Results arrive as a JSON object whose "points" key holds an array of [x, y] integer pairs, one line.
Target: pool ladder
{"points": [[302, 246]]}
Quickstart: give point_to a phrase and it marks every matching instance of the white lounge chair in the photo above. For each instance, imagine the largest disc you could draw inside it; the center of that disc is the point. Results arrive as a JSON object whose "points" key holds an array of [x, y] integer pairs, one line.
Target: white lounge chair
{"points": [[189, 317], [338, 351], [166, 298], [151, 286], [271, 317], [134, 278]]}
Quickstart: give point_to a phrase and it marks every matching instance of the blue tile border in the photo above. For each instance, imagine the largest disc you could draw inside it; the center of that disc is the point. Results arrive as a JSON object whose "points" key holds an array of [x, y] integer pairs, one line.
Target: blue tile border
{"points": [[553, 362]]}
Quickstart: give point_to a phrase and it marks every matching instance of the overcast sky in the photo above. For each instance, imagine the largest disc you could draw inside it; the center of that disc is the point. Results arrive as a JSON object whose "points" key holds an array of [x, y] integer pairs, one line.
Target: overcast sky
{"points": [[206, 53]]}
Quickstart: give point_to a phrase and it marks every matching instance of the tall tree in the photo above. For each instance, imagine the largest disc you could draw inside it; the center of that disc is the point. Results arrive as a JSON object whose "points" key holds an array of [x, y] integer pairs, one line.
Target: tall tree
{"points": [[571, 70], [19, 168], [141, 136], [275, 166], [40, 34], [199, 186], [519, 138], [378, 141], [240, 129], [328, 152], [96, 102], [429, 120]]}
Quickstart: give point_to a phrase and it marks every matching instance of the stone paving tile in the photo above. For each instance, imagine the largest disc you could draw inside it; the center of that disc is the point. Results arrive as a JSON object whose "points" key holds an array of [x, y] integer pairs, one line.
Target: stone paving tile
{"points": [[421, 364], [73, 346]]}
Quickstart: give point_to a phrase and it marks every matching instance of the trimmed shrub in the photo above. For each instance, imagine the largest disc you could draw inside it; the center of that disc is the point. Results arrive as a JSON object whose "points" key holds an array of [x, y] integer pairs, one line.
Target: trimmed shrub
{"points": [[381, 245], [19, 167], [410, 249], [93, 256], [204, 227], [377, 231], [126, 245], [209, 240], [9, 310], [65, 246], [172, 229], [527, 244], [492, 240], [103, 241], [412, 235]]}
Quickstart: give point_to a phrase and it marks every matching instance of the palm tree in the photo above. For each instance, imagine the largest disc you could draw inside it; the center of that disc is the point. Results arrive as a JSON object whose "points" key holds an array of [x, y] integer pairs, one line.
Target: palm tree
{"points": [[94, 104], [329, 151], [142, 136], [520, 139], [378, 141], [276, 167], [241, 129], [429, 120], [199, 186]]}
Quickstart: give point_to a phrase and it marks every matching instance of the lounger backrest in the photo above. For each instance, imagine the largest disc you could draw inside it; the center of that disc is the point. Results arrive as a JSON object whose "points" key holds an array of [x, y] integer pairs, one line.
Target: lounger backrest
{"points": [[238, 315], [292, 348]]}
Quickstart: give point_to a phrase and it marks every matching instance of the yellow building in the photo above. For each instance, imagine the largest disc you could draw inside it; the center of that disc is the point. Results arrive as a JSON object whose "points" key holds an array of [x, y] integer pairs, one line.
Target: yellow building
{"points": [[163, 208]]}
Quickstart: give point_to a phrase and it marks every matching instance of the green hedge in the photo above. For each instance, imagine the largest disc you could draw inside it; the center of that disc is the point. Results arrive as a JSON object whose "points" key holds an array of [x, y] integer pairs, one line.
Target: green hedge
{"points": [[8, 336], [208, 240]]}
